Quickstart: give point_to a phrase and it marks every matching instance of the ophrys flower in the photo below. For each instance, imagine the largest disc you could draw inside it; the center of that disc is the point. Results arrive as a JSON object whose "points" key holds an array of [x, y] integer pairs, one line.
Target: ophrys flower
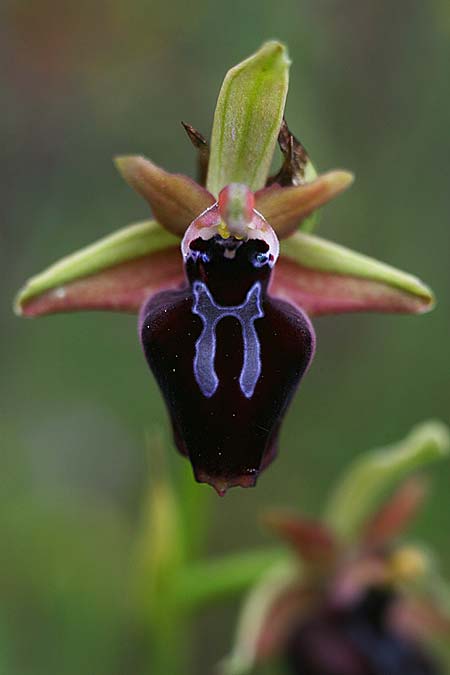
{"points": [[224, 318]]}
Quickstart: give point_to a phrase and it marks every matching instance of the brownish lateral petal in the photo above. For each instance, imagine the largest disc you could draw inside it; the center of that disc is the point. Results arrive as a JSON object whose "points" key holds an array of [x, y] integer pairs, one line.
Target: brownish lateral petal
{"points": [[122, 288], [175, 199], [285, 207], [320, 292], [396, 514], [310, 539], [287, 611]]}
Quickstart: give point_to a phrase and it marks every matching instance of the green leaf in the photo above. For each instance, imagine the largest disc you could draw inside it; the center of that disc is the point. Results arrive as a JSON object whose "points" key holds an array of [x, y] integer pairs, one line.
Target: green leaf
{"points": [[129, 243], [364, 483], [324, 277], [247, 119], [208, 581]]}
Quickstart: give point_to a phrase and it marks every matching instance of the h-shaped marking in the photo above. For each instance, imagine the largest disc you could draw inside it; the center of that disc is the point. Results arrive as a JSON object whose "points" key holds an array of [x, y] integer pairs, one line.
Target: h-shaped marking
{"points": [[205, 348]]}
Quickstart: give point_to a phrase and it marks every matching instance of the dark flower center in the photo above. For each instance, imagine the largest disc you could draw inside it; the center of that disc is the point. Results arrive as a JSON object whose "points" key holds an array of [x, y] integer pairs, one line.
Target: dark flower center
{"points": [[358, 640], [229, 267]]}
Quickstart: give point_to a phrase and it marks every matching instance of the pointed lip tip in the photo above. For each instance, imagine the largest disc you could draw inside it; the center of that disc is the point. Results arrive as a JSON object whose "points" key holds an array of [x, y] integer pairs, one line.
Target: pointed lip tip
{"points": [[222, 485]]}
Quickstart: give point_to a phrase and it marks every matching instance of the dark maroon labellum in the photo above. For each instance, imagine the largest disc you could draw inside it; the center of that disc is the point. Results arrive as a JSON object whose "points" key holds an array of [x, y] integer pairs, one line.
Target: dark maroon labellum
{"points": [[227, 358], [357, 640]]}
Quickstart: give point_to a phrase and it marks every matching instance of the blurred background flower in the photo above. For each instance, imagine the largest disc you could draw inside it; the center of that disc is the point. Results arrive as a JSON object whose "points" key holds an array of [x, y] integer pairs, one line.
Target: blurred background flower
{"points": [[82, 83], [354, 599]]}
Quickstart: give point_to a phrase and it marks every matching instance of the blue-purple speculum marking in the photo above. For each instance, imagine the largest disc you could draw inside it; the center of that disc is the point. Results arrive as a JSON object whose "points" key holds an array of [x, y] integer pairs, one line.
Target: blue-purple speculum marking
{"points": [[205, 348]]}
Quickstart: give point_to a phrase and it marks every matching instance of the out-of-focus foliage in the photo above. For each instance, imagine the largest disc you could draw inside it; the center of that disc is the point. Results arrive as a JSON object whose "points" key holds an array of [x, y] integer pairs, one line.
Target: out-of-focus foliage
{"points": [[82, 82]]}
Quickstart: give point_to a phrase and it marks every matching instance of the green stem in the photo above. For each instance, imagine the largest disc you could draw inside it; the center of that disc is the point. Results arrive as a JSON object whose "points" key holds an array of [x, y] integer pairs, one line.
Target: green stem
{"points": [[196, 507], [169, 647]]}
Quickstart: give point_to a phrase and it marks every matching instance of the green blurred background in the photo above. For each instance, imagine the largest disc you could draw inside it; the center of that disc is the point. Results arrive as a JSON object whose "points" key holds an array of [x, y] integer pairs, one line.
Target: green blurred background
{"points": [[81, 82]]}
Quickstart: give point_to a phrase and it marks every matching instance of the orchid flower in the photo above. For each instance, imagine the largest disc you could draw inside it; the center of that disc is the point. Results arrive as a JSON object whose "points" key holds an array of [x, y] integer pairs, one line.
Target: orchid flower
{"points": [[223, 307], [353, 598]]}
